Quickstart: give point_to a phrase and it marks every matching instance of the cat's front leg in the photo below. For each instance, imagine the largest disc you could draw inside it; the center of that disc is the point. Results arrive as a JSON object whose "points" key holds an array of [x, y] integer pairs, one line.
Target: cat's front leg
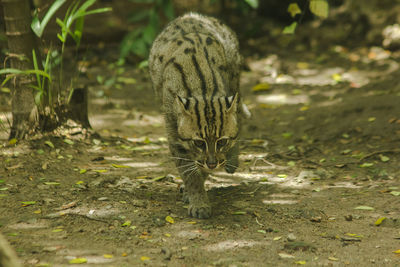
{"points": [[232, 159], [194, 191]]}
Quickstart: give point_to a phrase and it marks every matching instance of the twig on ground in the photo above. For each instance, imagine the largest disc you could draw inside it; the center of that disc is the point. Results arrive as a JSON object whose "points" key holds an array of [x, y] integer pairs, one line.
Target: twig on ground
{"points": [[380, 152]]}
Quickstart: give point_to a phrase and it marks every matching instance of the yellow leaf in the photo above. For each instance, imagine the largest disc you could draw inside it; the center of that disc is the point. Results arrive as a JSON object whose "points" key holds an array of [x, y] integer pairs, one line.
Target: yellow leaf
{"points": [[277, 238], [371, 119], [319, 8], [82, 171], [379, 221], [261, 87], [141, 177], [108, 256], [37, 211], [80, 182], [170, 219], [397, 251], [120, 166], [354, 235], [333, 259], [78, 261], [304, 108], [126, 223], [167, 235], [124, 254], [290, 29], [101, 171], [144, 258], [300, 262], [193, 222], [294, 9], [302, 65], [337, 77], [12, 141]]}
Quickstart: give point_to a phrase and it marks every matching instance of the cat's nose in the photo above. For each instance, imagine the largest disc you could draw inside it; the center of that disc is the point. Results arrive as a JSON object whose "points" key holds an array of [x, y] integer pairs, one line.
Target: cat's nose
{"points": [[211, 165]]}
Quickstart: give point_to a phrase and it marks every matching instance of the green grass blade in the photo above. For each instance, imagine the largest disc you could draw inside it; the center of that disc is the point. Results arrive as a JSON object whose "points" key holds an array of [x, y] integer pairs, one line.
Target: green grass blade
{"points": [[37, 26], [9, 77], [35, 65], [10, 71], [97, 11]]}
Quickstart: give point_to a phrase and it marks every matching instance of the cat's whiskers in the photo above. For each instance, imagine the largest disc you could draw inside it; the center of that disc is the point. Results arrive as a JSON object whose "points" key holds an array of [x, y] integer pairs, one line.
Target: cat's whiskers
{"points": [[191, 169], [186, 165], [181, 158]]}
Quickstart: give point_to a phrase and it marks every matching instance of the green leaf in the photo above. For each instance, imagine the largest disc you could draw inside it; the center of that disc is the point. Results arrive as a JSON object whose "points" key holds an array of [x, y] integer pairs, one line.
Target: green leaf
{"points": [[49, 143], [294, 9], [28, 203], [239, 213], [37, 26], [319, 8], [252, 3], [127, 223], [395, 193], [77, 35], [97, 11], [61, 38], [143, 64], [38, 97], [68, 141], [384, 158], [290, 29], [35, 65], [366, 165], [287, 135]]}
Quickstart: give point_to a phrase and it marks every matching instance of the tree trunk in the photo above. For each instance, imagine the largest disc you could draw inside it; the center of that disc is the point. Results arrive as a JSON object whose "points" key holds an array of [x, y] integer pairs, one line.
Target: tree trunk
{"points": [[21, 42], [8, 258]]}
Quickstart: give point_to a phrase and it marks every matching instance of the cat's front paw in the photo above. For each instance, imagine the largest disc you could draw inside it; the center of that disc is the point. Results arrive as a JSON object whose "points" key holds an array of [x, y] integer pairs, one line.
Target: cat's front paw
{"points": [[201, 211], [230, 168]]}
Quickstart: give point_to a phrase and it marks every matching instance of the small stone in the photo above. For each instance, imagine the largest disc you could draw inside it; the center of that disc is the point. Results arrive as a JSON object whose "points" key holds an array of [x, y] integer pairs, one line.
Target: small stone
{"points": [[348, 218], [167, 253], [102, 198], [316, 219], [285, 256], [291, 237]]}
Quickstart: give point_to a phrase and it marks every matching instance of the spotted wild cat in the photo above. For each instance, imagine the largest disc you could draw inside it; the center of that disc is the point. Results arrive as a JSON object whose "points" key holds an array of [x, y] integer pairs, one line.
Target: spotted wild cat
{"points": [[195, 67]]}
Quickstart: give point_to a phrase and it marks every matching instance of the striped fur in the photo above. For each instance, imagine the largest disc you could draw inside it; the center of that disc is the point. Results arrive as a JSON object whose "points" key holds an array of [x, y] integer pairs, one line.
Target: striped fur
{"points": [[195, 66]]}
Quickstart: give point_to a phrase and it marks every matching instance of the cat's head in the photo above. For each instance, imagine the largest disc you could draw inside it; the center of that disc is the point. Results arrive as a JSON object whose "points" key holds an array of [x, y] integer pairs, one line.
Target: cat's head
{"points": [[207, 129]]}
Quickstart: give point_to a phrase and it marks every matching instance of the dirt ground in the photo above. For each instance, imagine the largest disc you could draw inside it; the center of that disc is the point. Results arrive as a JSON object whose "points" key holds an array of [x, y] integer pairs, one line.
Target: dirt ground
{"points": [[318, 183]]}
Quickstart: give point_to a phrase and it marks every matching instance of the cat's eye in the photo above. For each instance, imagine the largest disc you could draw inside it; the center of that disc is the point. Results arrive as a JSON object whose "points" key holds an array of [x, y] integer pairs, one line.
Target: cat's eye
{"points": [[221, 143], [199, 143]]}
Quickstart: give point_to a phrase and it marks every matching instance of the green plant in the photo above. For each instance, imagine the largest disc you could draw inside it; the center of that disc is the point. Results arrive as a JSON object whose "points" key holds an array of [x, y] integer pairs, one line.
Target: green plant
{"points": [[139, 41], [72, 25], [319, 8], [74, 18]]}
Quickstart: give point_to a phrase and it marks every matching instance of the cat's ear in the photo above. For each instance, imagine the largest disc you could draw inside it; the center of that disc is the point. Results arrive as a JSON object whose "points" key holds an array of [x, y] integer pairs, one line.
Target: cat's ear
{"points": [[183, 104], [232, 103]]}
